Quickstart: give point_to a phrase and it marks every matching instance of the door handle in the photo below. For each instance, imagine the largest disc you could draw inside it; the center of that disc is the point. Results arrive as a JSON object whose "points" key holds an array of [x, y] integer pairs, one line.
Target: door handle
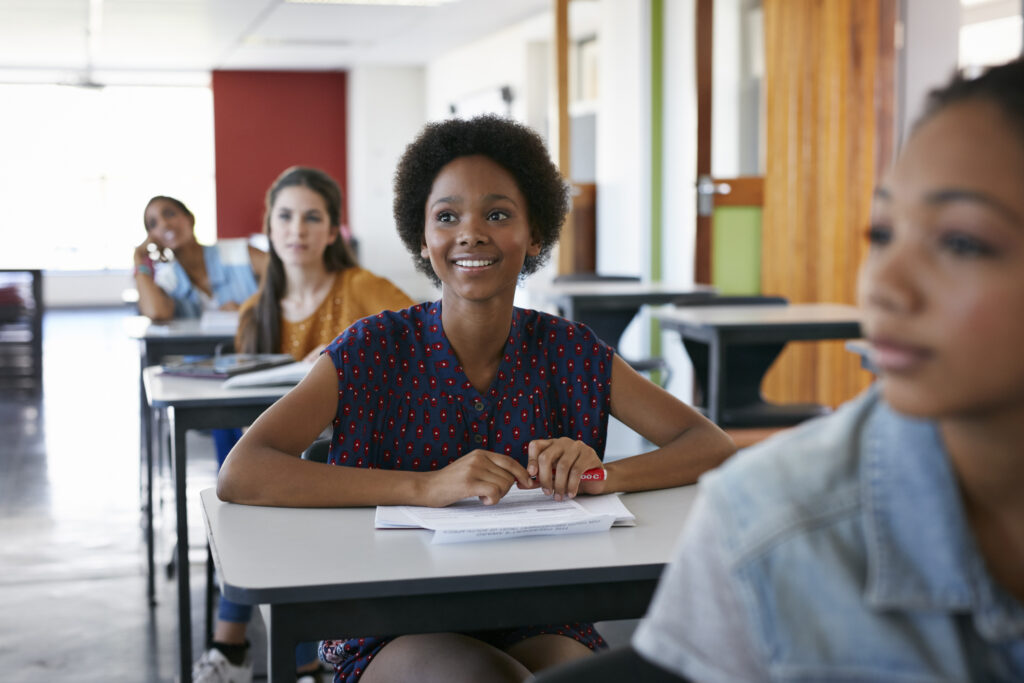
{"points": [[707, 188]]}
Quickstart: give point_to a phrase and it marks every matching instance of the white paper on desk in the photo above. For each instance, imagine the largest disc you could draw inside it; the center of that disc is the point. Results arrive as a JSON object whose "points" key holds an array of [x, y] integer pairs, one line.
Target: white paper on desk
{"points": [[288, 374], [519, 513], [586, 525]]}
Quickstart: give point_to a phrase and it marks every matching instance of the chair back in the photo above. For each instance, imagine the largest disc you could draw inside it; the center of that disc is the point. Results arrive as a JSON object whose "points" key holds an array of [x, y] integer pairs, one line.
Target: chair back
{"points": [[317, 451]]}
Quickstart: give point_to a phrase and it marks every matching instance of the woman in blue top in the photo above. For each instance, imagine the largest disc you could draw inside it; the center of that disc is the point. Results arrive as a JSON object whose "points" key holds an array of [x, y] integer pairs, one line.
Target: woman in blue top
{"points": [[468, 395], [886, 541], [198, 278], [192, 279]]}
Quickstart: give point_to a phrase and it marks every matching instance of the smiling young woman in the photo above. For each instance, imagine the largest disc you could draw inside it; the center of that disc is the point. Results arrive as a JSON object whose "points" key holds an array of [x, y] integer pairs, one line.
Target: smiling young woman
{"points": [[469, 395], [477, 234]]}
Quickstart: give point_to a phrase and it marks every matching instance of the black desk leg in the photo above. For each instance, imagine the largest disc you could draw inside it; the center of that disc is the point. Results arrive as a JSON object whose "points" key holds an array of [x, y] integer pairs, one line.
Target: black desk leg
{"points": [[179, 456], [280, 647], [209, 596], [146, 451], [716, 379], [147, 429]]}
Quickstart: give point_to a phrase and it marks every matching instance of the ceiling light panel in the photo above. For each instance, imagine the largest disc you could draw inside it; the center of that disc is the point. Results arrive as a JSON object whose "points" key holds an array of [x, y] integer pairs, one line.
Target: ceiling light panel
{"points": [[393, 3]]}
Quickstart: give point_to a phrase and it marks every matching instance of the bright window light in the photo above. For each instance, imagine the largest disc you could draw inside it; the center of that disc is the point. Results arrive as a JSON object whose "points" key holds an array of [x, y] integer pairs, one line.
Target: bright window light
{"points": [[79, 165], [990, 42], [990, 33]]}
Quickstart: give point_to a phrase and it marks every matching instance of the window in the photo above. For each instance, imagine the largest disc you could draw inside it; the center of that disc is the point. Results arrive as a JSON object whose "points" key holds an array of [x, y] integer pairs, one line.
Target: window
{"points": [[991, 32], [80, 163], [583, 70]]}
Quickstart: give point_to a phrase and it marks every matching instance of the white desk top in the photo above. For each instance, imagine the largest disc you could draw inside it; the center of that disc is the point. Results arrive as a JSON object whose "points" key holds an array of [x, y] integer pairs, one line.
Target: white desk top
{"points": [[781, 314], [173, 390], [141, 327], [264, 553]]}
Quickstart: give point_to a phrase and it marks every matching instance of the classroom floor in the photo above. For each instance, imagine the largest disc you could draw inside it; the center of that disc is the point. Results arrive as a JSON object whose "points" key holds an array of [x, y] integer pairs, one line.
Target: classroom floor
{"points": [[73, 600]]}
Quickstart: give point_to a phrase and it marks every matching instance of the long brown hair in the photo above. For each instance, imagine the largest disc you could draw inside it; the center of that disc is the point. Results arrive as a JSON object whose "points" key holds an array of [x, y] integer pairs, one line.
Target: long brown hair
{"points": [[259, 329]]}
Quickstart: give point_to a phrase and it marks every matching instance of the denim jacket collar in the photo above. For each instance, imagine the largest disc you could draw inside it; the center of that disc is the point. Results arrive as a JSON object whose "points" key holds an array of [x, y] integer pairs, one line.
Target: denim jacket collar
{"points": [[921, 554]]}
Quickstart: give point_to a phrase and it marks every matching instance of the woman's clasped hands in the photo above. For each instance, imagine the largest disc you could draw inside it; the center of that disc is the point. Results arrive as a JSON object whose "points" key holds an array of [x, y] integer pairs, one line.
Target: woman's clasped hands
{"points": [[554, 465]]}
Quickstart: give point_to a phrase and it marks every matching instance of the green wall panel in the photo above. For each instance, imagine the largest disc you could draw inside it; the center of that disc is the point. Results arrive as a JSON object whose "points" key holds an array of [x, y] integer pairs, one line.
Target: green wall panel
{"points": [[736, 254]]}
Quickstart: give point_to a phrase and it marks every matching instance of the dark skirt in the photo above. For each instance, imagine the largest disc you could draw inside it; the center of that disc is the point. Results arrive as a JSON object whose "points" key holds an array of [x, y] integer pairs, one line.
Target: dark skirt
{"points": [[351, 657]]}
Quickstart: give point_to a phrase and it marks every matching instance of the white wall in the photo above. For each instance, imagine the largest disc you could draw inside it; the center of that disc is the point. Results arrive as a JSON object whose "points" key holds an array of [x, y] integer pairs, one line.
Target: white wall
{"points": [[477, 70], [930, 58], [385, 112], [623, 152], [62, 289], [679, 206], [623, 139]]}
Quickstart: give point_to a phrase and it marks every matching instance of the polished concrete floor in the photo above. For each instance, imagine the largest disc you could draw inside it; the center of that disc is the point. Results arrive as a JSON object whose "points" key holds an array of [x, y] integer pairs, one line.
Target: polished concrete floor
{"points": [[73, 600], [73, 603]]}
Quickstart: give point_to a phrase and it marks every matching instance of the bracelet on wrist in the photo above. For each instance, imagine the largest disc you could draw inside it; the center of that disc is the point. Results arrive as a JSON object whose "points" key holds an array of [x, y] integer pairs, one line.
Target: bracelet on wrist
{"points": [[143, 269]]}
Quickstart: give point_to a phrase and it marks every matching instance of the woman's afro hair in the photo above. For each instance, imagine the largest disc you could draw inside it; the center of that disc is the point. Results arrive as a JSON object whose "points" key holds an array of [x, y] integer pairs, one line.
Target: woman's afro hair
{"points": [[513, 146]]}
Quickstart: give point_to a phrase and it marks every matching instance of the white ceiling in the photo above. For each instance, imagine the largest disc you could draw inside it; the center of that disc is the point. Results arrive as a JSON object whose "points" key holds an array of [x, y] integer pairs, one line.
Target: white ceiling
{"points": [[180, 41]]}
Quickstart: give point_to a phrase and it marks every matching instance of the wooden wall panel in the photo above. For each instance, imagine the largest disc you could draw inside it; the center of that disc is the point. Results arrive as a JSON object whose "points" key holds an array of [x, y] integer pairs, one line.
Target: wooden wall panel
{"points": [[825, 63]]}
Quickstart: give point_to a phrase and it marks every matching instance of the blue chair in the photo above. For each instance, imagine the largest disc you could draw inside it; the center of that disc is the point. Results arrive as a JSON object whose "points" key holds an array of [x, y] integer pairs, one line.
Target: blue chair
{"points": [[317, 451]]}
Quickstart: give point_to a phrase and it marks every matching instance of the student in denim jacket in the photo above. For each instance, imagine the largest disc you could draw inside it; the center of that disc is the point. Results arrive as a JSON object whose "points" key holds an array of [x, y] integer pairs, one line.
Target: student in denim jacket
{"points": [[885, 542]]}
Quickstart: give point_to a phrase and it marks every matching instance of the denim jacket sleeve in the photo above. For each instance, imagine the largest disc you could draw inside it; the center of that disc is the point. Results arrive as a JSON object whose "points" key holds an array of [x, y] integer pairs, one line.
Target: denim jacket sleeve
{"points": [[696, 625]]}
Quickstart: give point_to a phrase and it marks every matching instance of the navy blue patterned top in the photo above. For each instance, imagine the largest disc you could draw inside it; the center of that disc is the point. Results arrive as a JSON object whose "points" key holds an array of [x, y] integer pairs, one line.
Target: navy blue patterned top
{"points": [[404, 402]]}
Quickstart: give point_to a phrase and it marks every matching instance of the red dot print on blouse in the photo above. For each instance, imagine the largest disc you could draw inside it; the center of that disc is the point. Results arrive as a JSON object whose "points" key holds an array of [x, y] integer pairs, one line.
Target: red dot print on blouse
{"points": [[421, 405]]}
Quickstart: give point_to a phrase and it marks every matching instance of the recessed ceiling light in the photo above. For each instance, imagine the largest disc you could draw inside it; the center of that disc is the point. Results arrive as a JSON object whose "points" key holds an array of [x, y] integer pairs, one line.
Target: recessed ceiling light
{"points": [[404, 3], [264, 41]]}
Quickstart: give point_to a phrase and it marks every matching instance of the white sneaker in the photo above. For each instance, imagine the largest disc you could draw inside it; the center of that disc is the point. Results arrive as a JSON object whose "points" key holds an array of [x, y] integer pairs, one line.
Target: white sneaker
{"points": [[214, 667]]}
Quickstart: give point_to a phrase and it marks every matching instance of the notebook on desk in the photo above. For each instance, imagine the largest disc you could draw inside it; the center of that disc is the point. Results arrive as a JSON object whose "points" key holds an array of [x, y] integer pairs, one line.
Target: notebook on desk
{"points": [[225, 365], [288, 374]]}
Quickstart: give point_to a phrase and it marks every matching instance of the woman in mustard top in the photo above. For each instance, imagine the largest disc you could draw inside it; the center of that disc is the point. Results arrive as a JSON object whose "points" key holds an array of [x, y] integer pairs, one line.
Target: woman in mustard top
{"points": [[313, 288], [311, 291]]}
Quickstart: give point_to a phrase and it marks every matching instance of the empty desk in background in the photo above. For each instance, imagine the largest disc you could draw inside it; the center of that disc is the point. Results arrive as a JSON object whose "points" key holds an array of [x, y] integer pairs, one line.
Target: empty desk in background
{"points": [[761, 331], [607, 307], [370, 581], [157, 341], [195, 403], [21, 329], [186, 337]]}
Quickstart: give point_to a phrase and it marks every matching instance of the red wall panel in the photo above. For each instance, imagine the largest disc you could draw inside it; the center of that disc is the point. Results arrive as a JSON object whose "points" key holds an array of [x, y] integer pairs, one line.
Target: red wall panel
{"points": [[264, 122]]}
